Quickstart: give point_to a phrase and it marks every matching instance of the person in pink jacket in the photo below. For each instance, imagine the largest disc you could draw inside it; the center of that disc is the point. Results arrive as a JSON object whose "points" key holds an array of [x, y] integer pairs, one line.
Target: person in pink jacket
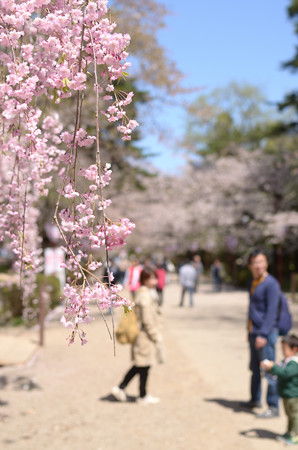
{"points": [[132, 277], [161, 274]]}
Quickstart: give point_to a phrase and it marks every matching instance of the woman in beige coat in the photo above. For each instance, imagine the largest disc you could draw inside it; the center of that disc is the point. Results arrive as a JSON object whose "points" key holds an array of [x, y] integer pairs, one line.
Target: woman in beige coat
{"points": [[146, 350]]}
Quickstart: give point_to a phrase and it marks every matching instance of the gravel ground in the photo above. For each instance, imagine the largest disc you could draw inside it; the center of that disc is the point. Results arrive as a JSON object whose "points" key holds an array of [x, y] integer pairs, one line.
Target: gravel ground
{"points": [[61, 397]]}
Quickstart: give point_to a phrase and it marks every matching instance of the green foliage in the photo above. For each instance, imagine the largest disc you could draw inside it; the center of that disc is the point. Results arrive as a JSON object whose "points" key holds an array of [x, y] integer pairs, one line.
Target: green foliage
{"points": [[242, 277], [292, 64], [293, 9], [52, 286], [229, 117], [291, 98], [11, 302], [4, 267], [11, 306], [17, 321]]}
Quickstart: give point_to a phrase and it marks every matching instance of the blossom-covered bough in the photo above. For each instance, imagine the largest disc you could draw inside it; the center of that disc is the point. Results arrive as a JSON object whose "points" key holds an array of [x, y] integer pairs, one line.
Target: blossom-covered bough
{"points": [[49, 51]]}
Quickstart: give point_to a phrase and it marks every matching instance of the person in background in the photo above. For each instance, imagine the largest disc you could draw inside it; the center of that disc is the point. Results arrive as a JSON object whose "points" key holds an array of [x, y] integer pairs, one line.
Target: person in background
{"points": [[287, 384], [199, 268], [123, 264], [217, 275], [171, 270], [113, 269], [148, 263], [147, 348], [187, 279], [161, 274], [264, 293], [132, 276]]}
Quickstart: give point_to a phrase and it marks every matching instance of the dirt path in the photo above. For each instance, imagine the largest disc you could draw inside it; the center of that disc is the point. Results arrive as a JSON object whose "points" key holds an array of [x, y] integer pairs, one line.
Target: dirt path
{"points": [[204, 377]]}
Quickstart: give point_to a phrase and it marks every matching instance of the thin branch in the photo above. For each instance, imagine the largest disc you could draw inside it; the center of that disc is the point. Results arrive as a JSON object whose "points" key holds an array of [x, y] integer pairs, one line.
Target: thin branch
{"points": [[98, 164]]}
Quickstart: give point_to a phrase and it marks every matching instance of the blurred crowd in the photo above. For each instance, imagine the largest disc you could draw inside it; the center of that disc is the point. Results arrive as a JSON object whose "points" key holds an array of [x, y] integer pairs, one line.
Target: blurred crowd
{"points": [[126, 271]]}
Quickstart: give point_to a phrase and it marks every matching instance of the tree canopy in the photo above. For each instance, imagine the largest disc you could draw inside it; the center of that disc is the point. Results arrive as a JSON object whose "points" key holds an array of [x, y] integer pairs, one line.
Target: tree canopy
{"points": [[227, 117], [290, 100]]}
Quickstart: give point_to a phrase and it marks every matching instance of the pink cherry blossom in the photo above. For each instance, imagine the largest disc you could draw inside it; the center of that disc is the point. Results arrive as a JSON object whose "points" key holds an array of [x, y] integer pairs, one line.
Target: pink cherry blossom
{"points": [[50, 48]]}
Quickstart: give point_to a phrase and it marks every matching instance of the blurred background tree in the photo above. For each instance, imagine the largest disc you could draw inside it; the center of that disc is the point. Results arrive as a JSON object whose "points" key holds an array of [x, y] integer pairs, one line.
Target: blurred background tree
{"points": [[155, 78], [238, 114]]}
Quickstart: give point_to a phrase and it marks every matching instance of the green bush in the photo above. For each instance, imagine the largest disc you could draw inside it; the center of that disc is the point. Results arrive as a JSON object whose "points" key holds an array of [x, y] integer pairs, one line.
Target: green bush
{"points": [[11, 306], [52, 286], [11, 302], [242, 277]]}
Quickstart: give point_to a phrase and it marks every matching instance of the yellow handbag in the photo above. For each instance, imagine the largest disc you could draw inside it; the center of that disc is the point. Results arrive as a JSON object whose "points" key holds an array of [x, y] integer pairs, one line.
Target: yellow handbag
{"points": [[128, 328]]}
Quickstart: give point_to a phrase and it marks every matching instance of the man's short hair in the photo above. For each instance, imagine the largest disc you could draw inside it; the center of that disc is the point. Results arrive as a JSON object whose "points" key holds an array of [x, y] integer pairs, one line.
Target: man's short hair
{"points": [[291, 340], [256, 252]]}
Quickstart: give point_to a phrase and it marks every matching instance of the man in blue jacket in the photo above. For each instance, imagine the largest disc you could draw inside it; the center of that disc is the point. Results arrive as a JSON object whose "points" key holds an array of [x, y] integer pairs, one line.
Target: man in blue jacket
{"points": [[262, 330]]}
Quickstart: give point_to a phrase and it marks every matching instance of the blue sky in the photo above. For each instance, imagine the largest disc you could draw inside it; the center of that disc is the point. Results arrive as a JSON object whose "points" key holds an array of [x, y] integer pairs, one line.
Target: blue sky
{"points": [[215, 42]]}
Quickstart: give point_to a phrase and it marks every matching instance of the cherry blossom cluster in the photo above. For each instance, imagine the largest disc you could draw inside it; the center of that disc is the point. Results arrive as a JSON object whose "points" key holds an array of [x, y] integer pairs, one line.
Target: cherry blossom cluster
{"points": [[87, 229], [51, 50], [77, 312]]}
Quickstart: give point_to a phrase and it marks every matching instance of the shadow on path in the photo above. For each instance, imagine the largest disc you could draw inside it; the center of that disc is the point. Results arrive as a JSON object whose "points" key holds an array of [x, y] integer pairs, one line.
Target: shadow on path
{"points": [[257, 433], [235, 405], [19, 383], [112, 399]]}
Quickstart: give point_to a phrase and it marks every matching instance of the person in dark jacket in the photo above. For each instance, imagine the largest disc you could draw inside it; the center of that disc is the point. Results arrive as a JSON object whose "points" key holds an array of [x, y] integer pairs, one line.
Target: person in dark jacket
{"points": [[287, 374], [216, 272], [264, 295]]}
